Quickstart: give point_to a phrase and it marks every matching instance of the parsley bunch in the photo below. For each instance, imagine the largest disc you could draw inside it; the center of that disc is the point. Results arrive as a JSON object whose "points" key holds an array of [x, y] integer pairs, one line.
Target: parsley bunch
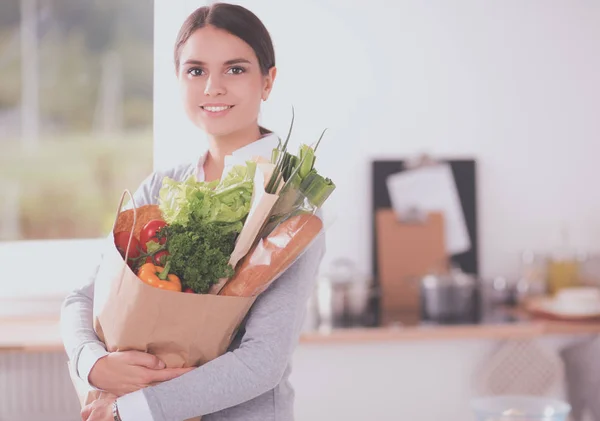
{"points": [[199, 253]]}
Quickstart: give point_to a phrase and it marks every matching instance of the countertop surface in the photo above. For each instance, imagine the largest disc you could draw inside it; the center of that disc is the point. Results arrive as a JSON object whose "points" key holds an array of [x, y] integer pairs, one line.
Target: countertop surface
{"points": [[42, 334]]}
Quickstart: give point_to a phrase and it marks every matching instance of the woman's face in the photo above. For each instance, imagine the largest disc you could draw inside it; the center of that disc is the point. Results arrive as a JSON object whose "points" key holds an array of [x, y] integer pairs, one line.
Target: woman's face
{"points": [[221, 82]]}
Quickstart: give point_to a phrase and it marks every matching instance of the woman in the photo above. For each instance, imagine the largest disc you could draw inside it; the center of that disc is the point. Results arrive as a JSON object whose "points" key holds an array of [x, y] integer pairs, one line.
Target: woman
{"points": [[225, 63]]}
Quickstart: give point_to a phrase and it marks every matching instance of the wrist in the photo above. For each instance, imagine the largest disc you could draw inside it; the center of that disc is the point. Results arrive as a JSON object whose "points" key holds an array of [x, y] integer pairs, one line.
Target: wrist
{"points": [[115, 411], [87, 361], [97, 373]]}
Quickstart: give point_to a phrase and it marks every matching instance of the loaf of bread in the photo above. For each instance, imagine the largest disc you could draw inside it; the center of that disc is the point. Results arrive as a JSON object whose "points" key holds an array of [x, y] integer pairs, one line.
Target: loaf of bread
{"points": [[272, 255]]}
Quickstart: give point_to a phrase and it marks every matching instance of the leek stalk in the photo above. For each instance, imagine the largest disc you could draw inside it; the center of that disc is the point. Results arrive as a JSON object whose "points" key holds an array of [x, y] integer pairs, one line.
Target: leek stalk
{"points": [[316, 188]]}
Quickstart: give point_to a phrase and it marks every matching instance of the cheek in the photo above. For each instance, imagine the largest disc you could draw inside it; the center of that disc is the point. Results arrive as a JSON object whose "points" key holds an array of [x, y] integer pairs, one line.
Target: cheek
{"points": [[251, 92], [189, 92]]}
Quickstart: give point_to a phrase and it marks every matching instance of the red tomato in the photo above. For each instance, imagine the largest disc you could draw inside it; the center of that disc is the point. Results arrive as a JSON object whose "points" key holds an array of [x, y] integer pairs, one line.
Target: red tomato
{"points": [[189, 291], [121, 240], [149, 231]]}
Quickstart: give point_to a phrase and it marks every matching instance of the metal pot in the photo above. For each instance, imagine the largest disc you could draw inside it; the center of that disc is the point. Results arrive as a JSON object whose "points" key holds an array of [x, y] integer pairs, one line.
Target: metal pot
{"points": [[449, 298], [342, 295]]}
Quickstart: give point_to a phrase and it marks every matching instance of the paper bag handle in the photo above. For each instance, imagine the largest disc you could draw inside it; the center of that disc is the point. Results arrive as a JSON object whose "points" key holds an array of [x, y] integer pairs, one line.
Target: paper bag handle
{"points": [[134, 208]]}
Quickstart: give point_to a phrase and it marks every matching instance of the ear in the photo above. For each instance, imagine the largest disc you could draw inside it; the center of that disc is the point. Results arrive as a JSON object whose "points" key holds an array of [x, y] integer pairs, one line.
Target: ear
{"points": [[269, 80]]}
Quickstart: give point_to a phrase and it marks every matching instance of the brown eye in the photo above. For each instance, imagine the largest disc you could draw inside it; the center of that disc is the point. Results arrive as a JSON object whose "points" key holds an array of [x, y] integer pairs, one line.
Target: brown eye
{"points": [[237, 70], [194, 71]]}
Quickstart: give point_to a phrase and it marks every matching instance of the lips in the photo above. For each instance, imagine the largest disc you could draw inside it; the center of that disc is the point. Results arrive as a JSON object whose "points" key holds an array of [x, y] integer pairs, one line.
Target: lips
{"points": [[216, 108]]}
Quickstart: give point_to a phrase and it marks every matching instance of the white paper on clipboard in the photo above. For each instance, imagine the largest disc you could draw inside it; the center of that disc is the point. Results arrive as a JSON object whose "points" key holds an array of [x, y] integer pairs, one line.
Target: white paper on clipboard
{"points": [[431, 188]]}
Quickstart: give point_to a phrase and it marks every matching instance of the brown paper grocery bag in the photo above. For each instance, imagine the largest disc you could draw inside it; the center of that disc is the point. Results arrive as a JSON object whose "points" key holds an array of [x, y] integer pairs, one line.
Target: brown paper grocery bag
{"points": [[182, 329]]}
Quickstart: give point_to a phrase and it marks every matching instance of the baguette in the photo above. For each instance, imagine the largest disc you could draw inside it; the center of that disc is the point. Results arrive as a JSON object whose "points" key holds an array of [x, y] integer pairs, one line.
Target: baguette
{"points": [[272, 255]]}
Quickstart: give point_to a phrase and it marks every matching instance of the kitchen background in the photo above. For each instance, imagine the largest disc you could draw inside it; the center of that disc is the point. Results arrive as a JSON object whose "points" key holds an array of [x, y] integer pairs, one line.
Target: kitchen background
{"points": [[89, 105]]}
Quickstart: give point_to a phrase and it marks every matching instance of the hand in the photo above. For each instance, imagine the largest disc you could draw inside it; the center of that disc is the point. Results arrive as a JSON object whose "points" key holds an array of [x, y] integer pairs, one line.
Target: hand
{"points": [[100, 409], [124, 372]]}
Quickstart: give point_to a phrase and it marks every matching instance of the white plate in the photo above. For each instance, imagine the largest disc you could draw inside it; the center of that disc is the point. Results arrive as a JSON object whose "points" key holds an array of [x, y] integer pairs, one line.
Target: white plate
{"points": [[547, 306]]}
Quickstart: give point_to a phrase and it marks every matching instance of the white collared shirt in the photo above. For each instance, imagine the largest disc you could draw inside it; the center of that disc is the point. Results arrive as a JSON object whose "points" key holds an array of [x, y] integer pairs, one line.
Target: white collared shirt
{"points": [[261, 147]]}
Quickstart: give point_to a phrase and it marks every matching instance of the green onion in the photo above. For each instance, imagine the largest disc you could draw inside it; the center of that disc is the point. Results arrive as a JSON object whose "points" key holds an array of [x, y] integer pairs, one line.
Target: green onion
{"points": [[302, 183], [290, 165], [307, 155], [288, 201], [309, 151], [279, 157], [316, 188], [319, 141], [285, 165], [275, 154], [294, 179]]}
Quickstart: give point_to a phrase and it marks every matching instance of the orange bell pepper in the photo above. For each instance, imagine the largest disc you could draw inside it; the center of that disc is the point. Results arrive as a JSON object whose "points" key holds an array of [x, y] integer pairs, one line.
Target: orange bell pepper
{"points": [[159, 277]]}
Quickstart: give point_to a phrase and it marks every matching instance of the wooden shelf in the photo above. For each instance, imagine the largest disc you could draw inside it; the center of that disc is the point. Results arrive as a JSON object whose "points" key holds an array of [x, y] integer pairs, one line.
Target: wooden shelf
{"points": [[43, 335]]}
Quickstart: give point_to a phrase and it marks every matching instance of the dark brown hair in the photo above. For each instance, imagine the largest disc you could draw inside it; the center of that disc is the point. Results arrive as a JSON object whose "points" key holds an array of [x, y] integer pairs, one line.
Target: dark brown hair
{"points": [[236, 20]]}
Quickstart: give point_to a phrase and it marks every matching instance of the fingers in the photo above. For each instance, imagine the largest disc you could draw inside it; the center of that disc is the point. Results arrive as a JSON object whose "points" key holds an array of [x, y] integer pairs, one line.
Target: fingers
{"points": [[86, 411], [169, 373], [179, 371], [145, 360]]}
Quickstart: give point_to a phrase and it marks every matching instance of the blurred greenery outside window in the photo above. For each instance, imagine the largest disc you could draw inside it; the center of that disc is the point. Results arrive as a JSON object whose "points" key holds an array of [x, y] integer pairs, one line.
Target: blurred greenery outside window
{"points": [[76, 92]]}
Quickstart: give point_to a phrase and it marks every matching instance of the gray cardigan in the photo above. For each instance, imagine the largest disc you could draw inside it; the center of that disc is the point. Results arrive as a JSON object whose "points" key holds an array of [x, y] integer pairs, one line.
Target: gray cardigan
{"points": [[249, 382]]}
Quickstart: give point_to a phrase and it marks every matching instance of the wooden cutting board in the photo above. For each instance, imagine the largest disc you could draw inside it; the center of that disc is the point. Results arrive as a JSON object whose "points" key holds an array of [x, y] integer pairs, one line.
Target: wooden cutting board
{"points": [[406, 251]]}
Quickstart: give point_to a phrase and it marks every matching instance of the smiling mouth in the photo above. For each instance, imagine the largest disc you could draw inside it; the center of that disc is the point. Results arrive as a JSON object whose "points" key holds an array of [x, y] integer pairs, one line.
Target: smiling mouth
{"points": [[216, 109]]}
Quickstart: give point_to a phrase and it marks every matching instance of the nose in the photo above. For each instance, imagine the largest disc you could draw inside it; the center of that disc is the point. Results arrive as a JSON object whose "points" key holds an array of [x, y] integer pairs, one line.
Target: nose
{"points": [[214, 86]]}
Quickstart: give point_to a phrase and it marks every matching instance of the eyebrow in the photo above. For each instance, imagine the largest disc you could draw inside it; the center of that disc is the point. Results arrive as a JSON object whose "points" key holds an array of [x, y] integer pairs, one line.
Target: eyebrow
{"points": [[227, 63]]}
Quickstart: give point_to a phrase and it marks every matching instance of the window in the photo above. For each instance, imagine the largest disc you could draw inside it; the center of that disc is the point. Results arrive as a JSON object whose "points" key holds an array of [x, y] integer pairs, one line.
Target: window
{"points": [[76, 111]]}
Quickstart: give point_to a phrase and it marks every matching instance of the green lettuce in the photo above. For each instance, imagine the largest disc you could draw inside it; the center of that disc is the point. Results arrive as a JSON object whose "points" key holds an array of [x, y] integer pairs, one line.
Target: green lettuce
{"points": [[224, 201], [203, 220]]}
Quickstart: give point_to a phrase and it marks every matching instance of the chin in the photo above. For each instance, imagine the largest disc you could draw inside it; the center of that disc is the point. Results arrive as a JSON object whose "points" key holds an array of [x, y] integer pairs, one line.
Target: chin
{"points": [[219, 129], [213, 130]]}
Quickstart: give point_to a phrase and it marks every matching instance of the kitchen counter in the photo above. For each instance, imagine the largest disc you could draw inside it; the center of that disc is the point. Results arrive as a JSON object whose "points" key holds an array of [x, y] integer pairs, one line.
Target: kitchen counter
{"points": [[526, 329], [42, 335]]}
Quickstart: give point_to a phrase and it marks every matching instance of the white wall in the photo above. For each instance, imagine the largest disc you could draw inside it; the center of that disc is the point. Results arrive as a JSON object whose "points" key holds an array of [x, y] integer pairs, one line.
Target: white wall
{"points": [[513, 84]]}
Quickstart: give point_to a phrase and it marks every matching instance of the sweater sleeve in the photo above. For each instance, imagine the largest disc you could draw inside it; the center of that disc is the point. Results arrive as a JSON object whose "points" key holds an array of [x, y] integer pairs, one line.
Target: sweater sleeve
{"points": [[271, 333], [82, 345], [76, 328]]}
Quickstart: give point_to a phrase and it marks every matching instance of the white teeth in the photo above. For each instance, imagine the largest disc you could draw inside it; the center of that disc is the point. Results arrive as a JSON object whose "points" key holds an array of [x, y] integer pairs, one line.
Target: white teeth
{"points": [[217, 109]]}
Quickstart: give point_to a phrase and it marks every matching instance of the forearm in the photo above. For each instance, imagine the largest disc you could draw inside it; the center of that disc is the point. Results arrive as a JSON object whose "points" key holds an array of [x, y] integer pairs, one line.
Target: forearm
{"points": [[82, 345], [222, 383]]}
